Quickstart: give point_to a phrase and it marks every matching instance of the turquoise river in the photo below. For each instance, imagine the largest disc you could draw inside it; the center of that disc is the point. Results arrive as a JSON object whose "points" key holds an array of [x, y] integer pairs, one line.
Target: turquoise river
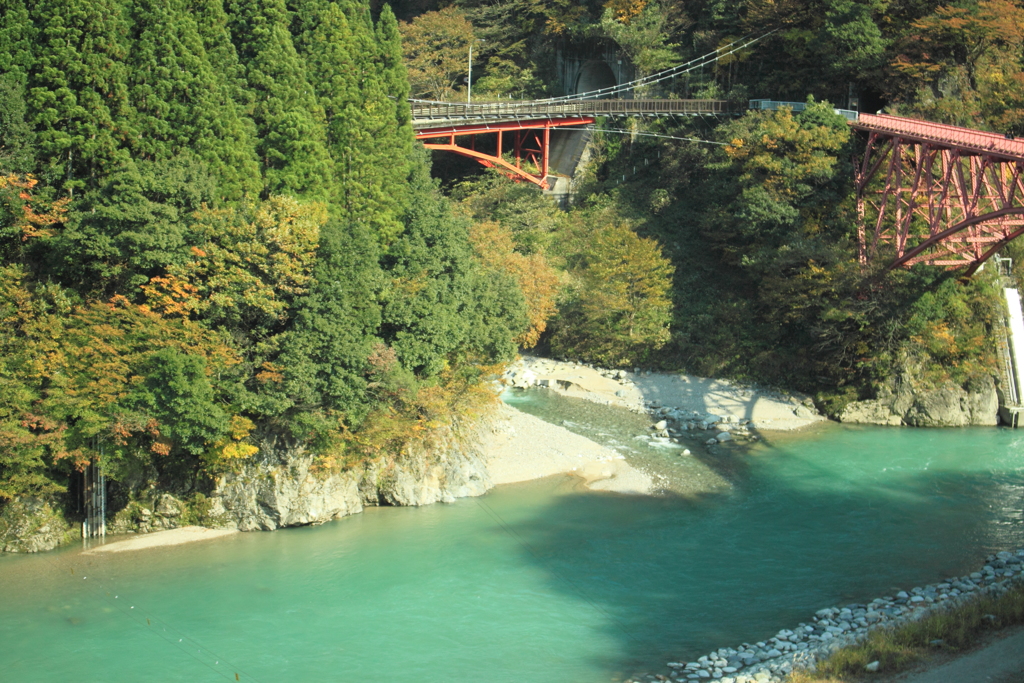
{"points": [[532, 583]]}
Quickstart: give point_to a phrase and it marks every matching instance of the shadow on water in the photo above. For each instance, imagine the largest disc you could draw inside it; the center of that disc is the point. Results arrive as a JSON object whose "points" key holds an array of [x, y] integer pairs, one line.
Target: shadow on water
{"points": [[674, 577]]}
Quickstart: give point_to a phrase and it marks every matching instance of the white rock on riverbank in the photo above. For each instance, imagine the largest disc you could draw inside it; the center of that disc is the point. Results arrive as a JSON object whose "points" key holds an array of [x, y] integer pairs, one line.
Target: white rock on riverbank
{"points": [[691, 401], [832, 628]]}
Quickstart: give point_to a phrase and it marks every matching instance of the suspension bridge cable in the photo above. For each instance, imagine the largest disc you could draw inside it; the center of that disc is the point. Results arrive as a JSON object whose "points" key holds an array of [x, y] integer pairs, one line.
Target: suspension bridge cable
{"points": [[658, 76], [672, 71], [695, 62]]}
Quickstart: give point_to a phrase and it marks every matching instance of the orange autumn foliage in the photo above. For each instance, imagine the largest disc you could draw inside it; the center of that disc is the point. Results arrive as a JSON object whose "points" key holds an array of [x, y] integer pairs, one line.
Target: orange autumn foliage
{"points": [[33, 221], [495, 247]]}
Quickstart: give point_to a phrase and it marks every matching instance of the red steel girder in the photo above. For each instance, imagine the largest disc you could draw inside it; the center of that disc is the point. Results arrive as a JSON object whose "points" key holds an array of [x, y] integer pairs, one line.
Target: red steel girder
{"points": [[531, 138], [940, 195]]}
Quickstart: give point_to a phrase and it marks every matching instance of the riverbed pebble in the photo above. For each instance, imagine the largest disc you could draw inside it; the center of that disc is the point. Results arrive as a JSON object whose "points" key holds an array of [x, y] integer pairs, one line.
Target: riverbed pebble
{"points": [[832, 628]]}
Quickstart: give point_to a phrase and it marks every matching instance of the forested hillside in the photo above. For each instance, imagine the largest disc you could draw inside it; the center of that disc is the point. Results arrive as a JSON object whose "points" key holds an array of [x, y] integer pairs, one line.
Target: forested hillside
{"points": [[759, 221], [216, 227]]}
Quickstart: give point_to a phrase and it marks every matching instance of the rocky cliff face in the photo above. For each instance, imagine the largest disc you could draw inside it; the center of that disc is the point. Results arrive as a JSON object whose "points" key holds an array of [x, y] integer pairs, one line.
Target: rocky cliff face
{"points": [[906, 401], [31, 525], [282, 487]]}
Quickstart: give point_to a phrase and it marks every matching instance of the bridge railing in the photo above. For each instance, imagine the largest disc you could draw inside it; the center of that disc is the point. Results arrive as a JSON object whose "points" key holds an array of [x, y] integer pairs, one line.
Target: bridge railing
{"points": [[966, 140], [775, 105], [422, 111]]}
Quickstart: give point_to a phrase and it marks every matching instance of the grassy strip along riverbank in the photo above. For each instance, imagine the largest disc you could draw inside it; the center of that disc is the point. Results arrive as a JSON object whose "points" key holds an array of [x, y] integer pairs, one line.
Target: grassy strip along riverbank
{"points": [[892, 650]]}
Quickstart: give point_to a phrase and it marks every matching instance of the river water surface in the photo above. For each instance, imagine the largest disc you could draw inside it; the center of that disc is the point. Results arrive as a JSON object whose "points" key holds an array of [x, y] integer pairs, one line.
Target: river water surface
{"points": [[532, 583]]}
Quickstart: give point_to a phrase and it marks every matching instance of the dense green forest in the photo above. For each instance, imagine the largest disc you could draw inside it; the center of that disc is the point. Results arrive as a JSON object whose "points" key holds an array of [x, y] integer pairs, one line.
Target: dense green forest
{"points": [[216, 226]]}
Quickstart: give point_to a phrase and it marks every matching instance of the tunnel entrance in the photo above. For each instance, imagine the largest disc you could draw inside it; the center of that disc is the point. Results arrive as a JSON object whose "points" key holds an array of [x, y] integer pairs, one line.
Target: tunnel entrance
{"points": [[595, 75]]}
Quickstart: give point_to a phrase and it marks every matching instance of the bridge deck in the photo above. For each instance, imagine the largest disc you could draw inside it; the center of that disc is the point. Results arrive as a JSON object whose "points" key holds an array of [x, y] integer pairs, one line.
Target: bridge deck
{"points": [[966, 140], [434, 114]]}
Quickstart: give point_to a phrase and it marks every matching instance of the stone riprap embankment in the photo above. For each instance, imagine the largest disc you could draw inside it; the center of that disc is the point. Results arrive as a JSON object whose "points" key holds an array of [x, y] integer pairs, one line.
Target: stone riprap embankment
{"points": [[832, 628], [724, 408]]}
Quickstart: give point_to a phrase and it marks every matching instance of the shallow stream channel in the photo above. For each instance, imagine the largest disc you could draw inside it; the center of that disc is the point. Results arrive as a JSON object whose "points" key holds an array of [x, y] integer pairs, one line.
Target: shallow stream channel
{"points": [[537, 582]]}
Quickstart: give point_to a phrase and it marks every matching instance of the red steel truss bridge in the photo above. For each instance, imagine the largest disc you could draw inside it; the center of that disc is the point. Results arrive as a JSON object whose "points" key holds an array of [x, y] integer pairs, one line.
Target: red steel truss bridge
{"points": [[523, 128], [936, 194]]}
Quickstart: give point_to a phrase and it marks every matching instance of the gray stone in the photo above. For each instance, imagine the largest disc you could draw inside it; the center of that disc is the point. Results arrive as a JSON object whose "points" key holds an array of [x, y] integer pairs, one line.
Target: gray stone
{"points": [[283, 487], [803, 411], [32, 525], [872, 667], [723, 436], [905, 400], [168, 506], [869, 412]]}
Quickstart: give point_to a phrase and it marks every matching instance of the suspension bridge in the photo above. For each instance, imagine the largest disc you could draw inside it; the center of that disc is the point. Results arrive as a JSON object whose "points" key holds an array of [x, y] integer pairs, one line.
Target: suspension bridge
{"points": [[926, 192]]}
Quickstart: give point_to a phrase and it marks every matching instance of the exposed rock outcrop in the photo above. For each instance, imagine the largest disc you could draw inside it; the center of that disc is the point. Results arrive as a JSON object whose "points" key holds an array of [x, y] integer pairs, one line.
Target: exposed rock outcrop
{"points": [[283, 486], [31, 525], [143, 516], [422, 476], [906, 401]]}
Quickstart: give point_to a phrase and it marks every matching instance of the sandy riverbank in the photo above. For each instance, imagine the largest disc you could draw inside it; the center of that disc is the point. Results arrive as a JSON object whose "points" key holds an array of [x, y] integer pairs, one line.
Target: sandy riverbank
{"points": [[522, 447], [157, 539], [765, 409]]}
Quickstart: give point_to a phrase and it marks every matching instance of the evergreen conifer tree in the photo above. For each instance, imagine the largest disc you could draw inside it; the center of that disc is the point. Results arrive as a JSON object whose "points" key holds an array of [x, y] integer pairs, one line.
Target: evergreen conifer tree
{"points": [[325, 354], [17, 142], [397, 137], [306, 15], [181, 101], [77, 92], [212, 25], [371, 167], [16, 36], [289, 121]]}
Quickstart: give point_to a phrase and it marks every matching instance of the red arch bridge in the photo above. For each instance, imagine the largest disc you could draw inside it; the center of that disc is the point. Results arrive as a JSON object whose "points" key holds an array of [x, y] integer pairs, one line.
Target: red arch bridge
{"points": [[926, 192]]}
